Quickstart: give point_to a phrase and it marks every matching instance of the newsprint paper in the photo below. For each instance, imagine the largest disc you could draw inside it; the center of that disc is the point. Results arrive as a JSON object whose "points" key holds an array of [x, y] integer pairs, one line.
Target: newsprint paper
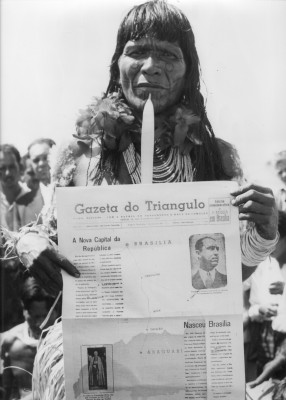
{"points": [[145, 320]]}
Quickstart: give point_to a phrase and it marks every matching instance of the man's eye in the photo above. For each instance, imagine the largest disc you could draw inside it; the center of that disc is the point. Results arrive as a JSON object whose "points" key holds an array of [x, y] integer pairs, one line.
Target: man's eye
{"points": [[30, 173], [136, 53], [168, 54], [36, 160], [213, 248]]}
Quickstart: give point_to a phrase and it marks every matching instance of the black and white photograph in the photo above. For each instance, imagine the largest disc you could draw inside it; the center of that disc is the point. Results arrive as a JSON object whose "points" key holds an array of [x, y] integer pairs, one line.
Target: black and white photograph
{"points": [[208, 262], [104, 94], [97, 377]]}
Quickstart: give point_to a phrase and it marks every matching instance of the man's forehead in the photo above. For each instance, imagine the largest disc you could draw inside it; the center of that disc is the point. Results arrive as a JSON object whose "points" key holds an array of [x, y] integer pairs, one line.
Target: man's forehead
{"points": [[7, 158], [208, 242], [150, 42], [37, 306], [39, 148]]}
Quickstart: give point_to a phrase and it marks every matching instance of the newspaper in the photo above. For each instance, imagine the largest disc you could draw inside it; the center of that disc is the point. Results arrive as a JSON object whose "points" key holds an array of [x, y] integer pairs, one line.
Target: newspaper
{"points": [[146, 320]]}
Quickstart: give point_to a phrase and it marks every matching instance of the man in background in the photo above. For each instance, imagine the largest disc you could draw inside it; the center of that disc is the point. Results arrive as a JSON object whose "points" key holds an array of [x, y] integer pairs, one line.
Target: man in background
{"points": [[39, 155], [19, 344], [280, 167], [37, 173], [12, 189]]}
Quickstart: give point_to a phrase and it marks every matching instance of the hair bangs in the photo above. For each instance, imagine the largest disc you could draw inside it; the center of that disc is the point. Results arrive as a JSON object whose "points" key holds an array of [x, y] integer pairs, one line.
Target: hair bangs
{"points": [[155, 19], [163, 22]]}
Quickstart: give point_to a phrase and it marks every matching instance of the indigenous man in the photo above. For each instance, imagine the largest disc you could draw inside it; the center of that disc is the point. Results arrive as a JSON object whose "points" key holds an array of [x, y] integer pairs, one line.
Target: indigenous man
{"points": [[155, 54]]}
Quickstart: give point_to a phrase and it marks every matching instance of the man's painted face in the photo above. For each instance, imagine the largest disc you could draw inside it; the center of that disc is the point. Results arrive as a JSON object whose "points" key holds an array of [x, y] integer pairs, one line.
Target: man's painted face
{"points": [[209, 254], [39, 155], [151, 66], [281, 170], [9, 170]]}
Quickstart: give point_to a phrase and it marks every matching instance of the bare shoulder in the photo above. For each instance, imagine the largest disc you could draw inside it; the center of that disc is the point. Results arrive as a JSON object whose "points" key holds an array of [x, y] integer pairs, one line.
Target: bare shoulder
{"points": [[8, 338], [65, 160]]}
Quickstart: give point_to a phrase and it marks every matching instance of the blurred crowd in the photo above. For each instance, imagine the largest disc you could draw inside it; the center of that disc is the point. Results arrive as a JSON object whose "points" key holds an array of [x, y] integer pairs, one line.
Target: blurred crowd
{"points": [[24, 184]]}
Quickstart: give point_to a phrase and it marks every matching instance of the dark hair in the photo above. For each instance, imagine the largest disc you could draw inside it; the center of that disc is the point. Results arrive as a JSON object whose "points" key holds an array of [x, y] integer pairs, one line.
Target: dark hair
{"points": [[200, 243], [32, 291], [161, 21], [9, 148], [166, 22], [49, 142]]}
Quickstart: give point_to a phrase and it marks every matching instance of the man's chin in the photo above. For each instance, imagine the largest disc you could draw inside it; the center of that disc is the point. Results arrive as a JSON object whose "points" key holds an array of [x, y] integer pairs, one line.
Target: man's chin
{"points": [[158, 101], [36, 333], [9, 184], [43, 177]]}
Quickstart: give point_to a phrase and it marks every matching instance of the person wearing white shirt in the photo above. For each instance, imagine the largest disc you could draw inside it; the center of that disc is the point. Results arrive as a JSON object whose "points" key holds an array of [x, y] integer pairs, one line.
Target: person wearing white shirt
{"points": [[267, 310]]}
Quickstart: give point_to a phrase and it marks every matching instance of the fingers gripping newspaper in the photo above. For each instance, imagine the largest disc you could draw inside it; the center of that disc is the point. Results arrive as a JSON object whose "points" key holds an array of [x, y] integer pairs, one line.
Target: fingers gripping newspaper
{"points": [[157, 311]]}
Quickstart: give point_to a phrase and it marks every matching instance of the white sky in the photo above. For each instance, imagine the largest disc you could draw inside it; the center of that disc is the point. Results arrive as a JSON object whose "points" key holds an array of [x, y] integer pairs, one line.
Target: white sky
{"points": [[55, 56]]}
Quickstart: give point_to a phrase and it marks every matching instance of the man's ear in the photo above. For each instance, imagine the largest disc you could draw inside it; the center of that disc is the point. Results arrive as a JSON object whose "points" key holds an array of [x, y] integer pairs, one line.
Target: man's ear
{"points": [[118, 80], [25, 314], [22, 168], [198, 254]]}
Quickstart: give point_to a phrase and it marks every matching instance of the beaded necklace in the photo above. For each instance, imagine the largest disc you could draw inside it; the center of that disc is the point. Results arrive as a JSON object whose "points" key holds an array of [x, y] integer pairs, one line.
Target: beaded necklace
{"points": [[169, 165]]}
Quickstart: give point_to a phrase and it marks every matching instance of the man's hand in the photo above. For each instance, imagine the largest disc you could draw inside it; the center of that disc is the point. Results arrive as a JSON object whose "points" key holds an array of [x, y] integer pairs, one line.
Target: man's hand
{"points": [[253, 384], [43, 261], [267, 311], [257, 204]]}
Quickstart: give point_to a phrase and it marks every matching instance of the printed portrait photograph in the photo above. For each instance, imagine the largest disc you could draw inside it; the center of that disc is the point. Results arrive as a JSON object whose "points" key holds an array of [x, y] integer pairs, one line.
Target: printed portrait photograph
{"points": [[97, 368], [208, 262], [97, 376]]}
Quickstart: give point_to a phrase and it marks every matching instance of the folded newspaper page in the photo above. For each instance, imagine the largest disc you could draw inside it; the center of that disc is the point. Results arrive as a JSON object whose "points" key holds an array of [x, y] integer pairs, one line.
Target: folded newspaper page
{"points": [[157, 310]]}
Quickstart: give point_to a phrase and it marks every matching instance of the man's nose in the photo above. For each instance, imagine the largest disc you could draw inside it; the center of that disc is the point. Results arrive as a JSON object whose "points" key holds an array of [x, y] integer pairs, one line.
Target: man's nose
{"points": [[42, 162], [151, 65], [7, 172]]}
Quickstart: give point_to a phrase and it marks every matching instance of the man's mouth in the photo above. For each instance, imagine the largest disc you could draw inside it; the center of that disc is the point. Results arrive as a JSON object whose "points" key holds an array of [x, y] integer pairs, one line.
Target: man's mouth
{"points": [[150, 86], [43, 171], [9, 180]]}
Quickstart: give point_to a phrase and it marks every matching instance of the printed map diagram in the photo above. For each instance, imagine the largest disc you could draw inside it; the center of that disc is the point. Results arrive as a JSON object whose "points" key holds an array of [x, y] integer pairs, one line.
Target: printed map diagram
{"points": [[147, 366]]}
